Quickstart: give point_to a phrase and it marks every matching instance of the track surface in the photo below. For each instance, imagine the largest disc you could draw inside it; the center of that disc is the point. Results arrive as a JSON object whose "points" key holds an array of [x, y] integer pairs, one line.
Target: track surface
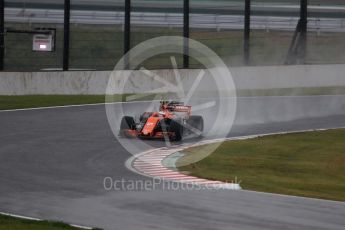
{"points": [[53, 162]]}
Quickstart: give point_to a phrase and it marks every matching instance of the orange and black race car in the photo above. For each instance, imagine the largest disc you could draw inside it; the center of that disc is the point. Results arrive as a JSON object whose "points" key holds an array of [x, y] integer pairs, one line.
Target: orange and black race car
{"points": [[173, 121]]}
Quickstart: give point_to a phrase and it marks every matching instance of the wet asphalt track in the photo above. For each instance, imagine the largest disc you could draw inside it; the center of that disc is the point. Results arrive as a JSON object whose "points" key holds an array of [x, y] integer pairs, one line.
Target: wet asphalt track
{"points": [[53, 162]]}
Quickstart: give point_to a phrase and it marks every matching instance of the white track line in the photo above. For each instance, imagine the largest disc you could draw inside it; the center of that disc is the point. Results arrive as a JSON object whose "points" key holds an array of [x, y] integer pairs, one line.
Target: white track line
{"points": [[71, 106], [129, 102], [36, 219]]}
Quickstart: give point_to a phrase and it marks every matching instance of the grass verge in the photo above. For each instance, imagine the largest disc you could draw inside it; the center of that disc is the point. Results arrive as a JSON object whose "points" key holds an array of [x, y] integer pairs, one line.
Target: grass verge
{"points": [[298, 91], [310, 164], [35, 101], [11, 223]]}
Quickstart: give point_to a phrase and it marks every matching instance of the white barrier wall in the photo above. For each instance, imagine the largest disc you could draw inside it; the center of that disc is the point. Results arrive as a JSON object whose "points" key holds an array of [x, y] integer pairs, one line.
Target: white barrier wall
{"points": [[92, 82]]}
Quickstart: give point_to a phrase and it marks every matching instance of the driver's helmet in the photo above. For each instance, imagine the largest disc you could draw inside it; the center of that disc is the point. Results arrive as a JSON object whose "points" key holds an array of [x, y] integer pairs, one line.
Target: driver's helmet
{"points": [[163, 104]]}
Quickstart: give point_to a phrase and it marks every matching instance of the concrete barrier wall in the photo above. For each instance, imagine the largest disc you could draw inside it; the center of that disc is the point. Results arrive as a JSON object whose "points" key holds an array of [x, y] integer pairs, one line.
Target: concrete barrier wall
{"points": [[91, 82]]}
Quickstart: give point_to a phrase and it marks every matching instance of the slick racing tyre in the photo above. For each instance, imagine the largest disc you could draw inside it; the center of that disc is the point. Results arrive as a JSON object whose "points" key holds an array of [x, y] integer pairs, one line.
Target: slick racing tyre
{"points": [[126, 123], [177, 128]]}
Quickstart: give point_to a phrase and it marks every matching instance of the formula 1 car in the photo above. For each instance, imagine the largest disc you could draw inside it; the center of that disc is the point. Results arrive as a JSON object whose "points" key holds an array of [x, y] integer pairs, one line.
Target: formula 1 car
{"points": [[172, 121]]}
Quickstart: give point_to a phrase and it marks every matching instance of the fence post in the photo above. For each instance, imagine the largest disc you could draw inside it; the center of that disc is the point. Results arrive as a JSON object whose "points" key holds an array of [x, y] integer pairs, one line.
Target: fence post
{"points": [[303, 30], [246, 47], [186, 10], [67, 14], [127, 33], [2, 34]]}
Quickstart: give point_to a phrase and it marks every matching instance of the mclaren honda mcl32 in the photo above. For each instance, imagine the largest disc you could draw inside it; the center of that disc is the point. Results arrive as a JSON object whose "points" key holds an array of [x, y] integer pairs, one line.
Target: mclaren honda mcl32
{"points": [[173, 121]]}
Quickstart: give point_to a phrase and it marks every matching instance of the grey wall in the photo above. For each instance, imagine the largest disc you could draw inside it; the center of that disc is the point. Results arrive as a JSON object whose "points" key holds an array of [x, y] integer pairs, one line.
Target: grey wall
{"points": [[91, 82]]}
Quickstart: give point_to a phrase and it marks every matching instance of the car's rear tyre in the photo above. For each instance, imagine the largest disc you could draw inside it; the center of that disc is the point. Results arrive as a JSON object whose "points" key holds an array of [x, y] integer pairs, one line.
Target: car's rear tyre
{"points": [[177, 128], [127, 122], [197, 124]]}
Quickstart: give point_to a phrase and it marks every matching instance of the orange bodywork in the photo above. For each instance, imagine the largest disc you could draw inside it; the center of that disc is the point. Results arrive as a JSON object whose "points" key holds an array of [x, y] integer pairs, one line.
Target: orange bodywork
{"points": [[165, 112], [150, 125]]}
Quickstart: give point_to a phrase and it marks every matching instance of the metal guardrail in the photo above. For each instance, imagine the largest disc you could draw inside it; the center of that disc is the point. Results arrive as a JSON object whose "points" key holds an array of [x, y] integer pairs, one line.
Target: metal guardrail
{"points": [[206, 21]]}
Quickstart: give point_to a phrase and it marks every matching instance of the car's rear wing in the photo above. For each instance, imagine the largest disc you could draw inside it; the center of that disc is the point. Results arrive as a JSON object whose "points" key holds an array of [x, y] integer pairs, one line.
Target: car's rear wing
{"points": [[174, 106], [180, 108]]}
